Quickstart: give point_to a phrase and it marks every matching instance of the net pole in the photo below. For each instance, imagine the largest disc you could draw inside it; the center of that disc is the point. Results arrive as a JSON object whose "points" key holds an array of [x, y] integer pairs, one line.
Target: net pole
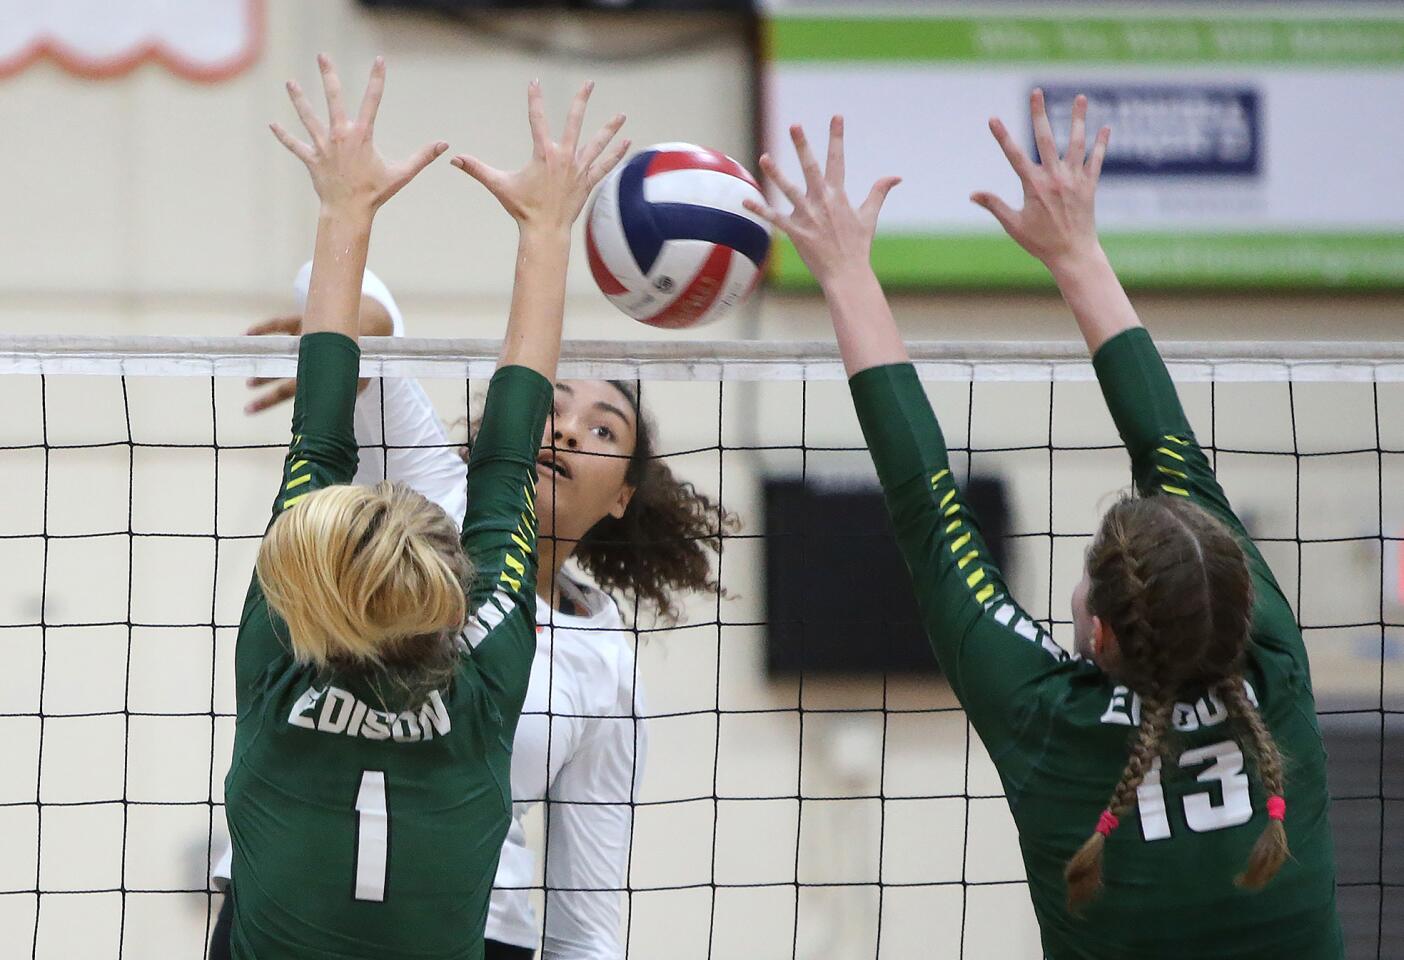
{"points": [[43, 665], [1379, 481]]}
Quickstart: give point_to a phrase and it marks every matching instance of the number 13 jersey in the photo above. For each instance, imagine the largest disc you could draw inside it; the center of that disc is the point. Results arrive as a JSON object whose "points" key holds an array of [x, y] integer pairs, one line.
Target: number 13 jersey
{"points": [[1059, 729]]}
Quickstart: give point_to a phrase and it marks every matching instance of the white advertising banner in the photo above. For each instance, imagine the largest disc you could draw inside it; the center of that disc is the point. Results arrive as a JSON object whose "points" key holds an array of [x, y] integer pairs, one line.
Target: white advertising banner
{"points": [[1246, 151]]}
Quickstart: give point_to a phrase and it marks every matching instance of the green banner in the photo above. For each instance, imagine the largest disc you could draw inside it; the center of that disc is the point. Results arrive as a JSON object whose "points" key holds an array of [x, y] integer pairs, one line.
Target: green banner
{"points": [[1145, 260], [1158, 40]]}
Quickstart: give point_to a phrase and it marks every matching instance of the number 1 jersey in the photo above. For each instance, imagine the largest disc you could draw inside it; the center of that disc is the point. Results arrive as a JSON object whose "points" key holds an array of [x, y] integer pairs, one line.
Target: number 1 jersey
{"points": [[363, 827]]}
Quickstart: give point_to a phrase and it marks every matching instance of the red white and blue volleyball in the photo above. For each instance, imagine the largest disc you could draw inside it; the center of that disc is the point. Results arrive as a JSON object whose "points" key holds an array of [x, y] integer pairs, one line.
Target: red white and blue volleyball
{"points": [[669, 240]]}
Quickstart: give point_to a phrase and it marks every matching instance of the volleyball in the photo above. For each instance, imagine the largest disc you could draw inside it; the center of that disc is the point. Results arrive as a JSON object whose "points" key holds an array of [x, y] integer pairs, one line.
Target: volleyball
{"points": [[667, 237]]}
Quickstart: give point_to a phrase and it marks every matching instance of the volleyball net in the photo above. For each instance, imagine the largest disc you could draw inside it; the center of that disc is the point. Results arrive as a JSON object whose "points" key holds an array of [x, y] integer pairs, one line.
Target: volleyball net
{"points": [[812, 788]]}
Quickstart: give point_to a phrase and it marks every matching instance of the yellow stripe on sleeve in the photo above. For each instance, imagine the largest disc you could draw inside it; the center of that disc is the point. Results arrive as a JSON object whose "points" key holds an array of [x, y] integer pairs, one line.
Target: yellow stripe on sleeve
{"points": [[299, 481], [950, 495], [953, 526], [1181, 442], [964, 561], [953, 509], [960, 541], [938, 477], [298, 465], [1177, 491], [292, 500], [975, 577], [985, 593], [1170, 453], [1172, 473]]}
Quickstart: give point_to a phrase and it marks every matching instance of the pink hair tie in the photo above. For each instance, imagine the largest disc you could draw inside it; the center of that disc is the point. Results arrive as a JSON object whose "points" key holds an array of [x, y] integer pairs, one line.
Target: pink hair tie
{"points": [[1276, 808], [1108, 822]]}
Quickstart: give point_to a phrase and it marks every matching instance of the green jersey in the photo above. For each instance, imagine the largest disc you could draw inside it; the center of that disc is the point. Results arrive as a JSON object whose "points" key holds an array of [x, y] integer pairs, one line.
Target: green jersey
{"points": [[362, 831], [1059, 730]]}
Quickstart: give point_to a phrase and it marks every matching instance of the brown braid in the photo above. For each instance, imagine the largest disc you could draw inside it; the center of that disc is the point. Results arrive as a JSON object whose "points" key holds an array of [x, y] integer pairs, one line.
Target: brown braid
{"points": [[1084, 871], [1129, 608], [1172, 586], [1271, 850]]}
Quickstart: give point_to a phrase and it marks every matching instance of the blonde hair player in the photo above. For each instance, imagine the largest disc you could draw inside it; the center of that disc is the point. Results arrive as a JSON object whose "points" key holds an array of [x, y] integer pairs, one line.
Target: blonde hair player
{"points": [[579, 744], [383, 655], [1146, 775]]}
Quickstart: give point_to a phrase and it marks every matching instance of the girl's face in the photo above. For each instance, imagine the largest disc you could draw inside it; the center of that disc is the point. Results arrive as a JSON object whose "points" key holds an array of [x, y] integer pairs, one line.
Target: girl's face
{"points": [[585, 453]]}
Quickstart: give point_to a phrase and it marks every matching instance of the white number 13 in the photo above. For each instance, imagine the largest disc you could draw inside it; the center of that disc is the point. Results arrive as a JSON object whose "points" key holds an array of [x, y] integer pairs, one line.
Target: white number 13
{"points": [[1201, 813]]}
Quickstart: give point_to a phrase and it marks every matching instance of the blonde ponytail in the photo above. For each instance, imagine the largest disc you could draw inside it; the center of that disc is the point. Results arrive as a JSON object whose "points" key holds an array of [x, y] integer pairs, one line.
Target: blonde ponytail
{"points": [[365, 576]]}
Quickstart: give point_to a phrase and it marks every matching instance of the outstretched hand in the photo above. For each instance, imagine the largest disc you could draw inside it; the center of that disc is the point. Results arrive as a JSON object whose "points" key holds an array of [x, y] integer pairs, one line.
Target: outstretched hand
{"points": [[551, 190], [347, 171], [824, 226], [1056, 223]]}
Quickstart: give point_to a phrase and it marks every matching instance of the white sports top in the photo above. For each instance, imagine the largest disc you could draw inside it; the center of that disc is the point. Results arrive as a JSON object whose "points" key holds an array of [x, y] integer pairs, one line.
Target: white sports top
{"points": [[585, 758], [579, 743]]}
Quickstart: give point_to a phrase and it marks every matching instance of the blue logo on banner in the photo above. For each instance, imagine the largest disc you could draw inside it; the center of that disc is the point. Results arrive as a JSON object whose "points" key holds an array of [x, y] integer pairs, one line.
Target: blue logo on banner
{"points": [[1158, 130]]}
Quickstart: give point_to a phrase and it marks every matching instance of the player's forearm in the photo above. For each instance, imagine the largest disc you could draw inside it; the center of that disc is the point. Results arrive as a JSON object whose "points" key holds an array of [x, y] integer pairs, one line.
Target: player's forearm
{"points": [[1091, 289], [866, 331], [334, 295], [1139, 393], [903, 436], [533, 337], [950, 567]]}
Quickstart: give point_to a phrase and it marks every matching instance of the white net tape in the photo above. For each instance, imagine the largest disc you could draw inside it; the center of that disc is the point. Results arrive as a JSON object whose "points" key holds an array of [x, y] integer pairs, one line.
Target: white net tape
{"points": [[698, 360]]}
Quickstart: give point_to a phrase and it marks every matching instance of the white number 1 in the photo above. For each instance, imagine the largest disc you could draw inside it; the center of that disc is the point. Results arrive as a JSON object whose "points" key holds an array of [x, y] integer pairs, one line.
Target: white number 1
{"points": [[1201, 813], [372, 836]]}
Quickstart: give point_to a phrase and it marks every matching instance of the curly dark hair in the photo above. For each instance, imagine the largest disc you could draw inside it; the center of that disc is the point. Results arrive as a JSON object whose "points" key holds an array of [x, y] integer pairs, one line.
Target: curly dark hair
{"points": [[661, 544]]}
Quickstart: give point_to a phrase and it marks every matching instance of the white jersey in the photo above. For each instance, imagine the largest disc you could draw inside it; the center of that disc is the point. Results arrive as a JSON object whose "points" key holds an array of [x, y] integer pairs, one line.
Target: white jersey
{"points": [[581, 748], [579, 744]]}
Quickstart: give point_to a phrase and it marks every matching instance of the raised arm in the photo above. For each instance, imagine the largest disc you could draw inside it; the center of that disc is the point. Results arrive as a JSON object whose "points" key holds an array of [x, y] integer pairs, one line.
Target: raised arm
{"points": [[835, 241], [1057, 225], [993, 653], [545, 197], [499, 530], [352, 182]]}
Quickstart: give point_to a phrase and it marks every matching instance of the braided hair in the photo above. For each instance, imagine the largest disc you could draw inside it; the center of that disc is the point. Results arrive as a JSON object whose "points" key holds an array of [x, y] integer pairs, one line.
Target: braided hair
{"points": [[1173, 585], [1270, 851]]}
